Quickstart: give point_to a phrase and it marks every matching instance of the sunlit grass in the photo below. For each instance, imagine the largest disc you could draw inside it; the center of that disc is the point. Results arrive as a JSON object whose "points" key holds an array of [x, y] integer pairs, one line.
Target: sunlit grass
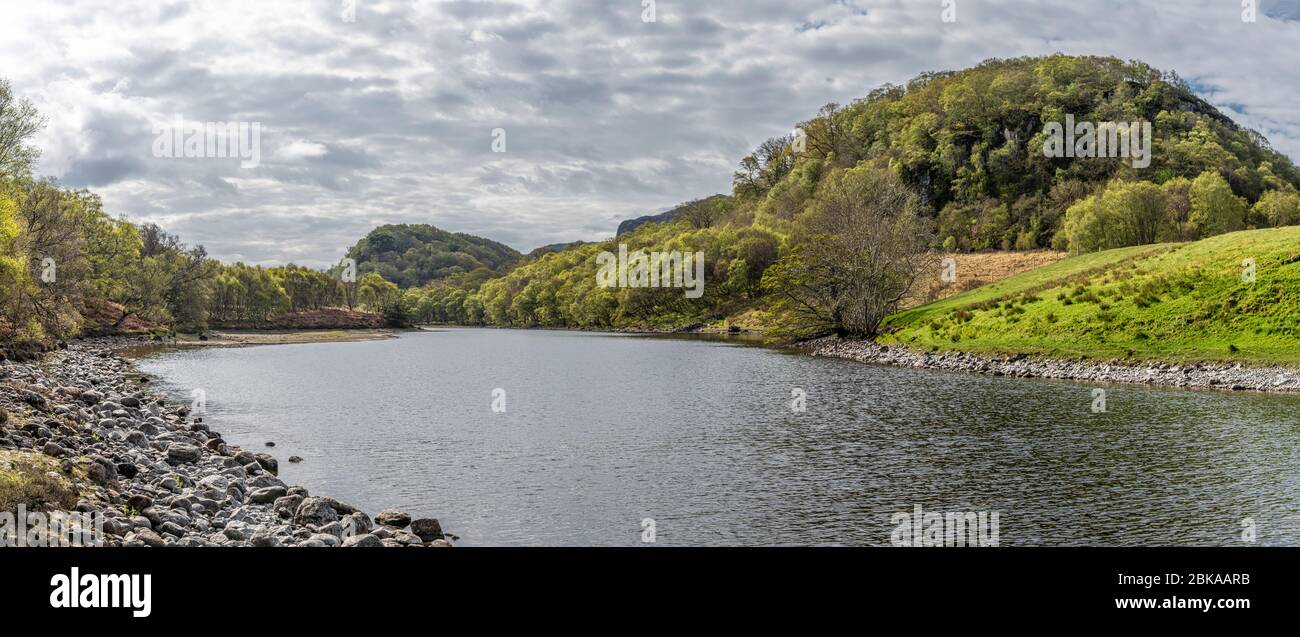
{"points": [[1173, 302]]}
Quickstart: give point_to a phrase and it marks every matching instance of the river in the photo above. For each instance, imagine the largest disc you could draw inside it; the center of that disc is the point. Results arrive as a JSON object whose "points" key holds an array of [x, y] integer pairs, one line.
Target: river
{"points": [[530, 437]]}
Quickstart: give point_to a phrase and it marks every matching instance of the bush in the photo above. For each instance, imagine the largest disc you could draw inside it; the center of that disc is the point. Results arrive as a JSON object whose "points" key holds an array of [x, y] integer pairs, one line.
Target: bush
{"points": [[1127, 213], [1215, 210], [1279, 208]]}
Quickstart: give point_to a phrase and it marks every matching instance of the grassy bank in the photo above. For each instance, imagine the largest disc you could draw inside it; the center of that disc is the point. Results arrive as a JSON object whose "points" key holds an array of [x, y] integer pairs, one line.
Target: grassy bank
{"points": [[34, 481], [1175, 302]]}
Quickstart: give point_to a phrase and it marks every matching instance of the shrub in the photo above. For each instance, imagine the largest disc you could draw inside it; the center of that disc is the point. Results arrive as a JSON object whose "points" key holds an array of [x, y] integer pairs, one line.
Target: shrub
{"points": [[1279, 207], [1215, 210], [25, 478]]}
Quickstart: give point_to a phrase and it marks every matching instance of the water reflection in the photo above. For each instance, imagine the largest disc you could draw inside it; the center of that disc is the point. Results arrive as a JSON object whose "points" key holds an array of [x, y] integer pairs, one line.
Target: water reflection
{"points": [[604, 430]]}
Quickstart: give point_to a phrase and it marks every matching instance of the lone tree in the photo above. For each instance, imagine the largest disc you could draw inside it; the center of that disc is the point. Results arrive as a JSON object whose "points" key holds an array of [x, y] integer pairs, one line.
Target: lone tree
{"points": [[857, 254]]}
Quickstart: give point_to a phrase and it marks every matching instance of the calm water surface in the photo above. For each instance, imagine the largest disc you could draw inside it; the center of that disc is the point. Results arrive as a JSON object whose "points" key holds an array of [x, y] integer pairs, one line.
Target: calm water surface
{"points": [[601, 431]]}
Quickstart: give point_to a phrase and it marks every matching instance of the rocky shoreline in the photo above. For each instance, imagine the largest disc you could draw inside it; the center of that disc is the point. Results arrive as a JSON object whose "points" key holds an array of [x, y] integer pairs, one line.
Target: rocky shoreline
{"points": [[156, 473], [1222, 376]]}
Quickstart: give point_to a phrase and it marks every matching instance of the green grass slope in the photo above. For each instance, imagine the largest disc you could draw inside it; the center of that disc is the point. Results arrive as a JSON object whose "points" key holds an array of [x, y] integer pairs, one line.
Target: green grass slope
{"points": [[1174, 302]]}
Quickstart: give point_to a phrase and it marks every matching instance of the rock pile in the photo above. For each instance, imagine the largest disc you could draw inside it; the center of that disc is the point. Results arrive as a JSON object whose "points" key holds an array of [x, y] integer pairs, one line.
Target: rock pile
{"points": [[1228, 376], [160, 477]]}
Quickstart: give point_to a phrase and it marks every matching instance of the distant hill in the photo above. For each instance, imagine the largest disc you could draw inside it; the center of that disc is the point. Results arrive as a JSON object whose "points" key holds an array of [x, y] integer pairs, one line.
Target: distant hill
{"points": [[412, 255], [554, 247], [632, 224]]}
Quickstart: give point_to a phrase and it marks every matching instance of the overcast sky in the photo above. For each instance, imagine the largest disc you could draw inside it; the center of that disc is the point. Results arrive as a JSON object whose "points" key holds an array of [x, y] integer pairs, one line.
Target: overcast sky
{"points": [[389, 118]]}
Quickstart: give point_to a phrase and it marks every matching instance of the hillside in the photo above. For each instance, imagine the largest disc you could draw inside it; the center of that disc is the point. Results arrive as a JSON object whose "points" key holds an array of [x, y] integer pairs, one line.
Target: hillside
{"points": [[969, 144], [1173, 302], [962, 150], [412, 255]]}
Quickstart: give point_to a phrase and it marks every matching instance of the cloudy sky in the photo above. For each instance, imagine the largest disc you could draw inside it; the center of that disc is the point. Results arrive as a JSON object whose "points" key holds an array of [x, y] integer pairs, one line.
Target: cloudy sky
{"points": [[389, 117]]}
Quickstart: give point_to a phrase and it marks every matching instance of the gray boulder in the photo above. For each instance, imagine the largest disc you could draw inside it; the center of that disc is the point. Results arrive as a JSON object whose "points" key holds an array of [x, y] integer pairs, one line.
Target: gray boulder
{"points": [[394, 518], [181, 453], [268, 463], [315, 511], [325, 538], [365, 540], [148, 537], [427, 529], [286, 506], [356, 523], [267, 495], [264, 538]]}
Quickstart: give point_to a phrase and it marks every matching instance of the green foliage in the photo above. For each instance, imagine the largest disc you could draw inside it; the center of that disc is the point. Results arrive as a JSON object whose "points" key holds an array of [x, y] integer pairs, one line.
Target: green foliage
{"points": [[19, 122], [970, 144], [1176, 302], [1215, 210], [1126, 213], [413, 255], [559, 289], [247, 294], [859, 252], [1278, 208], [385, 298]]}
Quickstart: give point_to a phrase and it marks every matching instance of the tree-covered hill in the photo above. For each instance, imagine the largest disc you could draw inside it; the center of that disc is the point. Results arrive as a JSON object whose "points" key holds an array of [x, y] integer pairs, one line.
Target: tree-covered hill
{"points": [[412, 255], [969, 147]]}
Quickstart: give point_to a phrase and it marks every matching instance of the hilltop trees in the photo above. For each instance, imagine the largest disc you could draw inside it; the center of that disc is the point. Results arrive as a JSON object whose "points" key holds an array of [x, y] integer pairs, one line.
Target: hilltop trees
{"points": [[970, 144], [19, 121], [413, 255]]}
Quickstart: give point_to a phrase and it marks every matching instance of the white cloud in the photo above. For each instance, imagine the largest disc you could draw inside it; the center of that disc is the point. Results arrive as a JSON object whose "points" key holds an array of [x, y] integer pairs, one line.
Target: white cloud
{"points": [[389, 118], [301, 148]]}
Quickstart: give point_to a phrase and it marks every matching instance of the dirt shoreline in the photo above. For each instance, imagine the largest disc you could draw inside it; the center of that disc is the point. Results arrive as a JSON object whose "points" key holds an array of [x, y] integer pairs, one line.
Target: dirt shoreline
{"points": [[241, 338]]}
